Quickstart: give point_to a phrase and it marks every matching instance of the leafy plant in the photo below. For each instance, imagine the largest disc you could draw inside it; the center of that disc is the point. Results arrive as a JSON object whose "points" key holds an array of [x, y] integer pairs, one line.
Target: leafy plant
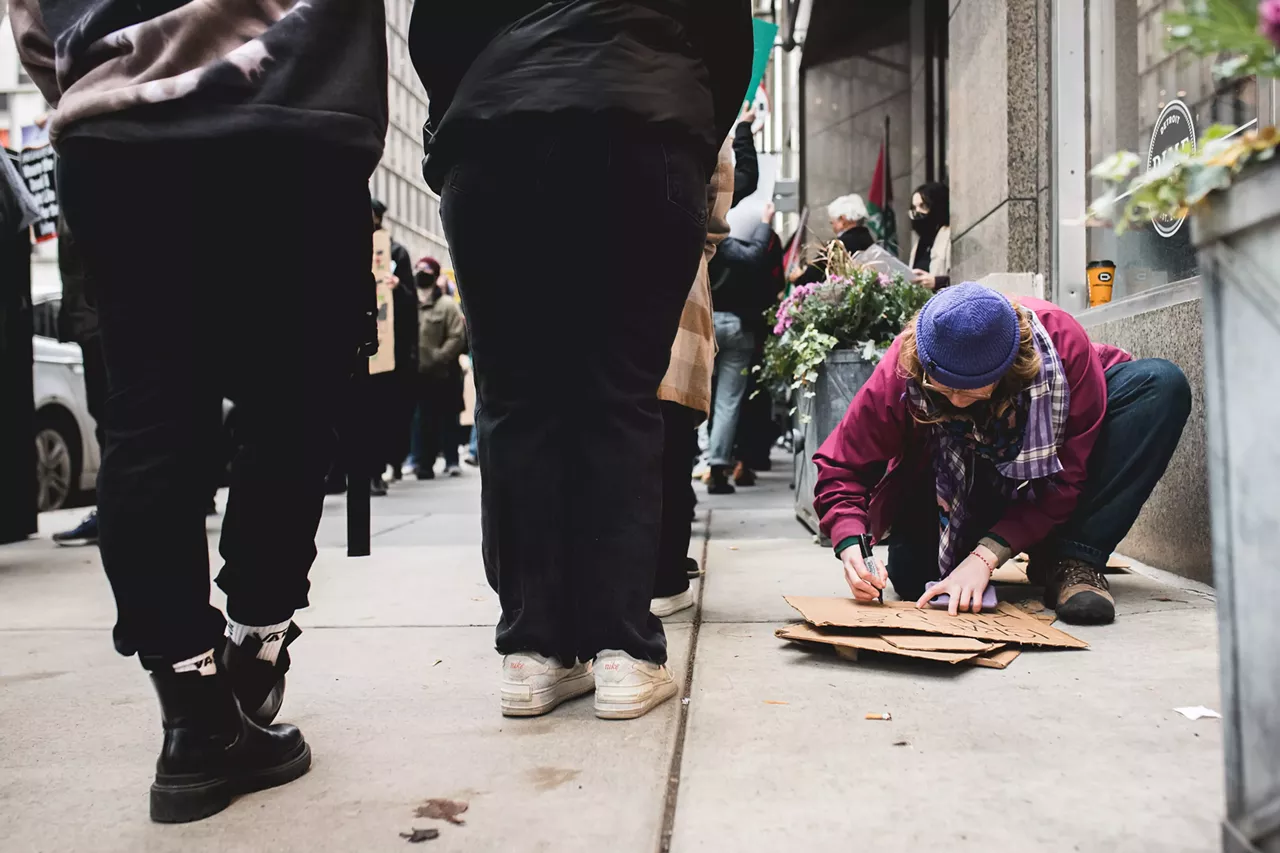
{"points": [[1239, 32], [1243, 35], [854, 307]]}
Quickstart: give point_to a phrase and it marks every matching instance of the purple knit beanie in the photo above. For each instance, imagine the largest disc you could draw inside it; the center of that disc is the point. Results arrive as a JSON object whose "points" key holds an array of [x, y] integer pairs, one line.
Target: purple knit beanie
{"points": [[967, 336]]}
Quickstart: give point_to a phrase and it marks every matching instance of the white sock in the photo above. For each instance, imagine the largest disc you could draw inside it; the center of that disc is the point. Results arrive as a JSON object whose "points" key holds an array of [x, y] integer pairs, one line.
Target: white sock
{"points": [[272, 637], [203, 663]]}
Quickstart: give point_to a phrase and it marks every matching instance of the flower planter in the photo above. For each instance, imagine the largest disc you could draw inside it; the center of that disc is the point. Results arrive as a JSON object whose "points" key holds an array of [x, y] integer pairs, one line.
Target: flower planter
{"points": [[841, 375], [1238, 236]]}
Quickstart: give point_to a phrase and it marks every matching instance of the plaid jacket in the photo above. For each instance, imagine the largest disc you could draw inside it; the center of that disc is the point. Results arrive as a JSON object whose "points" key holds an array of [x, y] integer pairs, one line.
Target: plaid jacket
{"points": [[693, 355]]}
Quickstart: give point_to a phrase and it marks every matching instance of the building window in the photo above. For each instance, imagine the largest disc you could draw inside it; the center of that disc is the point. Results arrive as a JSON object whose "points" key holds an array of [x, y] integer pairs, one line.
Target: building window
{"points": [[1143, 98]]}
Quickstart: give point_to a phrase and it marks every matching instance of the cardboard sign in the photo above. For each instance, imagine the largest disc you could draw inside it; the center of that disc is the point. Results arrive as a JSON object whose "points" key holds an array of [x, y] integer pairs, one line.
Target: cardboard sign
{"points": [[847, 646], [808, 634], [39, 169], [384, 360], [998, 659], [1006, 624]]}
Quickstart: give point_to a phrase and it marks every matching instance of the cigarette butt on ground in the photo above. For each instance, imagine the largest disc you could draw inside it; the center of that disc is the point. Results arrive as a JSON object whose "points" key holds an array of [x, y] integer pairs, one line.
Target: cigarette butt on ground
{"points": [[885, 716]]}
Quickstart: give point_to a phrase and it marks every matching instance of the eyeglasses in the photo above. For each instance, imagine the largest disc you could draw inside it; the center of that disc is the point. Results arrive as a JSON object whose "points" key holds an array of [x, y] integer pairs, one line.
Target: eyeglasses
{"points": [[950, 392]]}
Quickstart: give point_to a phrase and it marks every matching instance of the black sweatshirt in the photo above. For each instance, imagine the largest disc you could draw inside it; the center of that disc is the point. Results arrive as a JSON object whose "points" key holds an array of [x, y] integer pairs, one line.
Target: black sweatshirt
{"points": [[678, 66]]}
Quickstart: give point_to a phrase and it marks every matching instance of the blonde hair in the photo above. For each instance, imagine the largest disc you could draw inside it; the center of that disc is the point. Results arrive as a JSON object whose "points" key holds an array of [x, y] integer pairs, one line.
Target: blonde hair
{"points": [[1025, 368]]}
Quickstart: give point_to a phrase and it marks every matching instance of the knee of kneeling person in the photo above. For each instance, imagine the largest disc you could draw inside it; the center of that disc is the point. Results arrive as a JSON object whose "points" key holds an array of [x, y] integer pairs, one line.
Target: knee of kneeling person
{"points": [[1167, 382], [909, 585]]}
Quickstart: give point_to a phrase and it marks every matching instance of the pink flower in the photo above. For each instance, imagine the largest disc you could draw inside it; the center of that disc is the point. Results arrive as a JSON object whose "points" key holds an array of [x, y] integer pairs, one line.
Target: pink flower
{"points": [[884, 280], [1269, 19]]}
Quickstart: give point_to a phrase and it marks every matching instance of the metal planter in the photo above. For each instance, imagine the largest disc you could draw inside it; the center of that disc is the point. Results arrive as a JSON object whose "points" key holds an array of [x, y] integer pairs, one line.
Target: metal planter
{"points": [[841, 375], [1239, 241]]}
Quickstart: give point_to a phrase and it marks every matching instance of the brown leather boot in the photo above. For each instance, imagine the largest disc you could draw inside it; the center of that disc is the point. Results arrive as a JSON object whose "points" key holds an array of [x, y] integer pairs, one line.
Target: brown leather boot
{"points": [[1079, 593]]}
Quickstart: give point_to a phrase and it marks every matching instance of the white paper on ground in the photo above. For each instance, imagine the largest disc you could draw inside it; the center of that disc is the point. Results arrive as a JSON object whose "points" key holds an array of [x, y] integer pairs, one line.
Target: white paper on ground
{"points": [[1199, 712]]}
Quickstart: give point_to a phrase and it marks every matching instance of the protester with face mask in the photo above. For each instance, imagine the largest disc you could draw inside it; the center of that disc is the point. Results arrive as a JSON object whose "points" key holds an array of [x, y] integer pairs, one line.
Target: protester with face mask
{"points": [[931, 220], [994, 426], [442, 337]]}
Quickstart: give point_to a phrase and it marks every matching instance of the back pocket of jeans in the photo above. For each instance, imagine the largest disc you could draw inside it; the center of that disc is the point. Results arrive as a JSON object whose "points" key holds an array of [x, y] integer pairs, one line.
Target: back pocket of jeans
{"points": [[686, 185]]}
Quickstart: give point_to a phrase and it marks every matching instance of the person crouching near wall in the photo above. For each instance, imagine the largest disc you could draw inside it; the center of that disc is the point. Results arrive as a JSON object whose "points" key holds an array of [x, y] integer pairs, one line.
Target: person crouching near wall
{"points": [[992, 426]]}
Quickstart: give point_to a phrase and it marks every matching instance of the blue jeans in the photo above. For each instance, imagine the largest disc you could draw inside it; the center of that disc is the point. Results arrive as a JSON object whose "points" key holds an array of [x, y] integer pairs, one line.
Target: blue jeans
{"points": [[1148, 402], [732, 363]]}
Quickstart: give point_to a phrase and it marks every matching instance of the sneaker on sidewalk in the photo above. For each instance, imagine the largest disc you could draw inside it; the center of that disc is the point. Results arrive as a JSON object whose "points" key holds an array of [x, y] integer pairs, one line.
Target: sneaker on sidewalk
{"points": [[744, 476], [85, 534], [1079, 593], [378, 487], [691, 568], [667, 605], [532, 684], [718, 481], [453, 471], [627, 688]]}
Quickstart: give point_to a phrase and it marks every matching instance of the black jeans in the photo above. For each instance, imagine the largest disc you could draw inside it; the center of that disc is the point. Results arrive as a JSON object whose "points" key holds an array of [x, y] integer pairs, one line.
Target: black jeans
{"points": [[438, 401], [568, 360], [393, 397], [679, 451], [1148, 402], [201, 296]]}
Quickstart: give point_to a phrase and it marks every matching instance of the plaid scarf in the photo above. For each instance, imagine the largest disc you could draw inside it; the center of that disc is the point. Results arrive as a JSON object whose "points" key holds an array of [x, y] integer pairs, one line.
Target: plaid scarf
{"points": [[1021, 447]]}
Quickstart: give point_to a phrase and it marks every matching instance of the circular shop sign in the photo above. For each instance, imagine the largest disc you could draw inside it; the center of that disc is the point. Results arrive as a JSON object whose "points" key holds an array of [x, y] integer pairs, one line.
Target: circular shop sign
{"points": [[1175, 131]]}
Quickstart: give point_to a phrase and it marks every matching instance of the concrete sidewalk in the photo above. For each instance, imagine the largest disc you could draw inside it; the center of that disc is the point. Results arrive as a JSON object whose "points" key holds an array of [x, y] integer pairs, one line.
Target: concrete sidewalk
{"points": [[396, 687]]}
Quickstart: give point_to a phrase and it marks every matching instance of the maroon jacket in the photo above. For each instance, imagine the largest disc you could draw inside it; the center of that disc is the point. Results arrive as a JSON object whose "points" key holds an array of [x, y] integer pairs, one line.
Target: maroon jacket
{"points": [[853, 496]]}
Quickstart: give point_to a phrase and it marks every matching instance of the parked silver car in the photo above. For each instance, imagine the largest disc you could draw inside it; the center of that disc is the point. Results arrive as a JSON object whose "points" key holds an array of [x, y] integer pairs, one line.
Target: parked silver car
{"points": [[67, 454]]}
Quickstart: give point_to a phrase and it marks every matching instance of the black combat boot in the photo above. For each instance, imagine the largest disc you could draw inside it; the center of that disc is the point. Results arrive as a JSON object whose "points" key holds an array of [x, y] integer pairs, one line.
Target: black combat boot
{"points": [[212, 753], [258, 684]]}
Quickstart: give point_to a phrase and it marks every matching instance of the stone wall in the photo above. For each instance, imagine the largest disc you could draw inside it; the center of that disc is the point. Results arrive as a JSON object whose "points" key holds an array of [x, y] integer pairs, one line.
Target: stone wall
{"points": [[845, 106], [998, 136], [1173, 530]]}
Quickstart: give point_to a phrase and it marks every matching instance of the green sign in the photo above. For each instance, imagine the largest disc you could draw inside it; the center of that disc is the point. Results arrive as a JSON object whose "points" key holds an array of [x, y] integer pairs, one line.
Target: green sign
{"points": [[763, 35]]}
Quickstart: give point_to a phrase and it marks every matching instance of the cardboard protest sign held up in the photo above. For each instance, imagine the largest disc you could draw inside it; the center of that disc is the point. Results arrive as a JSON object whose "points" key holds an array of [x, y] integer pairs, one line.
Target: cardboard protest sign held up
{"points": [[384, 360]]}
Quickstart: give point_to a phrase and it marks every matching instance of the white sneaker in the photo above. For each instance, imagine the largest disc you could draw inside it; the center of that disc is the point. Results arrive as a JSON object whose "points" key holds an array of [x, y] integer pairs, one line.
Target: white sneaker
{"points": [[627, 688], [532, 684], [672, 603]]}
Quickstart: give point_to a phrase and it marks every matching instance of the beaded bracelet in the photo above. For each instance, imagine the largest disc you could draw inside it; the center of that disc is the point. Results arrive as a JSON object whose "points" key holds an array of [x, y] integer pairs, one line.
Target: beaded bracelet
{"points": [[990, 564]]}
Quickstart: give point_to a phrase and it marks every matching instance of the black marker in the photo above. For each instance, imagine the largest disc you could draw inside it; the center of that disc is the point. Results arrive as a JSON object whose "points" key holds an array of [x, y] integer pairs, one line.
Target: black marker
{"points": [[864, 543]]}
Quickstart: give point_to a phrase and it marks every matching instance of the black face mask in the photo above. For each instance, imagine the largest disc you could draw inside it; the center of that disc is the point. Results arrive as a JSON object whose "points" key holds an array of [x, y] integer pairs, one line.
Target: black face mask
{"points": [[926, 225]]}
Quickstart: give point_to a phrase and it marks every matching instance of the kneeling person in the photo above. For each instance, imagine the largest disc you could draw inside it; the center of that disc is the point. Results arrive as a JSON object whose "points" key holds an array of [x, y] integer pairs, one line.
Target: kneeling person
{"points": [[992, 426]]}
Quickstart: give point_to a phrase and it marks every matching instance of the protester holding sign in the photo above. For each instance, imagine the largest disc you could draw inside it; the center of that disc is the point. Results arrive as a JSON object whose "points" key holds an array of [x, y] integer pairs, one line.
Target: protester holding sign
{"points": [[990, 427]]}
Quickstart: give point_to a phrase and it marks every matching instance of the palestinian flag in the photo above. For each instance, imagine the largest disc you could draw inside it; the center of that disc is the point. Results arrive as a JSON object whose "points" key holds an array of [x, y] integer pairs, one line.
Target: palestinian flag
{"points": [[882, 222]]}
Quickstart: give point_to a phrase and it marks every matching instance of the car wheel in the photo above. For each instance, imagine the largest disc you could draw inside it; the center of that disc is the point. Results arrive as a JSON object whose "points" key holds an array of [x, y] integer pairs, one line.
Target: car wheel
{"points": [[57, 463]]}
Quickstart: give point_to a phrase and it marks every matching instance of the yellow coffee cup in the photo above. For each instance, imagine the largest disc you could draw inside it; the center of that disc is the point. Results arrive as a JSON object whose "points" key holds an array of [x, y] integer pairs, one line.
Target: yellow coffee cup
{"points": [[1102, 275]]}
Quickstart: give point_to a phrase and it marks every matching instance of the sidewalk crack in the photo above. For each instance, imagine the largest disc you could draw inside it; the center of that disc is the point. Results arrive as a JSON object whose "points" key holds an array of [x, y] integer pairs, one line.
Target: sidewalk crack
{"points": [[682, 729]]}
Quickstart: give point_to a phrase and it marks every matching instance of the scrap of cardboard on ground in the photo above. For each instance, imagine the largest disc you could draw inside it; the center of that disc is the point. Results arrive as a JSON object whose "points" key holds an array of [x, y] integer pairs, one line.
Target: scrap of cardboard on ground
{"points": [[990, 639]]}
